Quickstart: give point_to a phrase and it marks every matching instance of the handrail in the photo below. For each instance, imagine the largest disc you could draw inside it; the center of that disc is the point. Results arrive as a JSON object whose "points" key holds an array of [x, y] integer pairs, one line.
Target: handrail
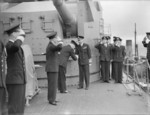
{"points": [[135, 78]]}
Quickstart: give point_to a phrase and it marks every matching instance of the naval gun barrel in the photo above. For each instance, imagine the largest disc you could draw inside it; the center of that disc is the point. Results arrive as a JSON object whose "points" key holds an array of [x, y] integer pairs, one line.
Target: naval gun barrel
{"points": [[69, 20]]}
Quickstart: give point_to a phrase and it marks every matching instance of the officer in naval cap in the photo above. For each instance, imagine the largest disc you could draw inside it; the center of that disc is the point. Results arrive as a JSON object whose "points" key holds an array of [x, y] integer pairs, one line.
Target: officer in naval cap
{"points": [[66, 52], [105, 58], [112, 63], [108, 40], [15, 79], [146, 43], [118, 54], [52, 65], [115, 38], [85, 59]]}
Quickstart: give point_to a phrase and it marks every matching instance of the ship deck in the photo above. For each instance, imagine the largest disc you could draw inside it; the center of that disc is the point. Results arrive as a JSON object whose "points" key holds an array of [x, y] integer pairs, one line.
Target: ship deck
{"points": [[101, 98]]}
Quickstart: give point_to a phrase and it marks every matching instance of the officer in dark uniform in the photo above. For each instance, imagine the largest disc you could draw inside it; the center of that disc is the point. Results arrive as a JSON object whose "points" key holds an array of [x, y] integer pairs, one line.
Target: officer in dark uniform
{"points": [[84, 52], [112, 63], [15, 79], [65, 53], [147, 45], [3, 110], [118, 58], [52, 64], [105, 51]]}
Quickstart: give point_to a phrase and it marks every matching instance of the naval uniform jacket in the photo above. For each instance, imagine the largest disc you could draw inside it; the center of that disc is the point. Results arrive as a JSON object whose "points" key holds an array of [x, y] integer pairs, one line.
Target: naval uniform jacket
{"points": [[65, 53], [15, 63], [148, 49], [2, 65], [118, 53], [105, 52], [84, 53], [52, 62]]}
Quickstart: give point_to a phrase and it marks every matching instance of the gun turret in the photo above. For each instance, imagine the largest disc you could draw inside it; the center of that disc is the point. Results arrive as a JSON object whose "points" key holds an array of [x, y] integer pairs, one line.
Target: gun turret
{"points": [[69, 20]]}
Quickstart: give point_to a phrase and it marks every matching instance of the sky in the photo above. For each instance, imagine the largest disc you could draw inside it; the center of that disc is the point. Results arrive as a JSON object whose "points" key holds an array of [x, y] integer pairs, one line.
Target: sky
{"points": [[122, 15]]}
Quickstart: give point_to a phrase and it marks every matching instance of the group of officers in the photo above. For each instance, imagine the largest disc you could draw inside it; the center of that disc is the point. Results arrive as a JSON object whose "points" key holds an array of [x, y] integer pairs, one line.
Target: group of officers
{"points": [[57, 57], [111, 56], [13, 77], [13, 72]]}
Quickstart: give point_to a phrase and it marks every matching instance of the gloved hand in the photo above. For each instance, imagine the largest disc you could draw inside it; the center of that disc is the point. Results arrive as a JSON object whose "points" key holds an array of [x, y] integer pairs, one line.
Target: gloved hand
{"points": [[20, 38], [144, 39]]}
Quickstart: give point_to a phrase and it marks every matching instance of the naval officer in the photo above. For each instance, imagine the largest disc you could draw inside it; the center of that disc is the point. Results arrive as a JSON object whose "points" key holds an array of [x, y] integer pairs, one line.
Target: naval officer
{"points": [[118, 53], [112, 63], [105, 51], [2, 79], [15, 79], [66, 52], [52, 65], [147, 45], [84, 52]]}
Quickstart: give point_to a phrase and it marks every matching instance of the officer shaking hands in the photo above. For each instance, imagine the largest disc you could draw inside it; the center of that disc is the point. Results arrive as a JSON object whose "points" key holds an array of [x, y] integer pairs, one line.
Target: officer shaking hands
{"points": [[84, 52], [66, 52]]}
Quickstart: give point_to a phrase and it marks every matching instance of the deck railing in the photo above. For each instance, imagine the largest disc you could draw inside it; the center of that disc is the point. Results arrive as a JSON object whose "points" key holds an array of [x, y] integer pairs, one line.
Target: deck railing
{"points": [[137, 70]]}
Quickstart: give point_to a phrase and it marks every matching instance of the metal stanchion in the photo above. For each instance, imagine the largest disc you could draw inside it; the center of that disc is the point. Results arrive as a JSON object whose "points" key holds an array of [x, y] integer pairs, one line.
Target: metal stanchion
{"points": [[127, 67], [134, 90], [127, 71]]}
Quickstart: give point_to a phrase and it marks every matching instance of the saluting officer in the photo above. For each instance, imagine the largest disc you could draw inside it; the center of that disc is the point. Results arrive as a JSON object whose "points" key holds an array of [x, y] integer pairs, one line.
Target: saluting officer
{"points": [[118, 58], [65, 53], [147, 45], [84, 52], [2, 79], [15, 79], [52, 65], [105, 51], [112, 63]]}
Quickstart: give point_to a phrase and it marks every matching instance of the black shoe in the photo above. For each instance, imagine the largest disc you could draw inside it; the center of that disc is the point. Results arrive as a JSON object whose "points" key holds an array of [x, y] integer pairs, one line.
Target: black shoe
{"points": [[56, 101], [64, 91], [53, 103], [107, 81], [80, 87], [86, 88]]}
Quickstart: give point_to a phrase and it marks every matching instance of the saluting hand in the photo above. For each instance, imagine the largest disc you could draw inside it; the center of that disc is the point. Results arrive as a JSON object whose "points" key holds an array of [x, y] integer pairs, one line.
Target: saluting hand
{"points": [[77, 56], [20, 38], [144, 38]]}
